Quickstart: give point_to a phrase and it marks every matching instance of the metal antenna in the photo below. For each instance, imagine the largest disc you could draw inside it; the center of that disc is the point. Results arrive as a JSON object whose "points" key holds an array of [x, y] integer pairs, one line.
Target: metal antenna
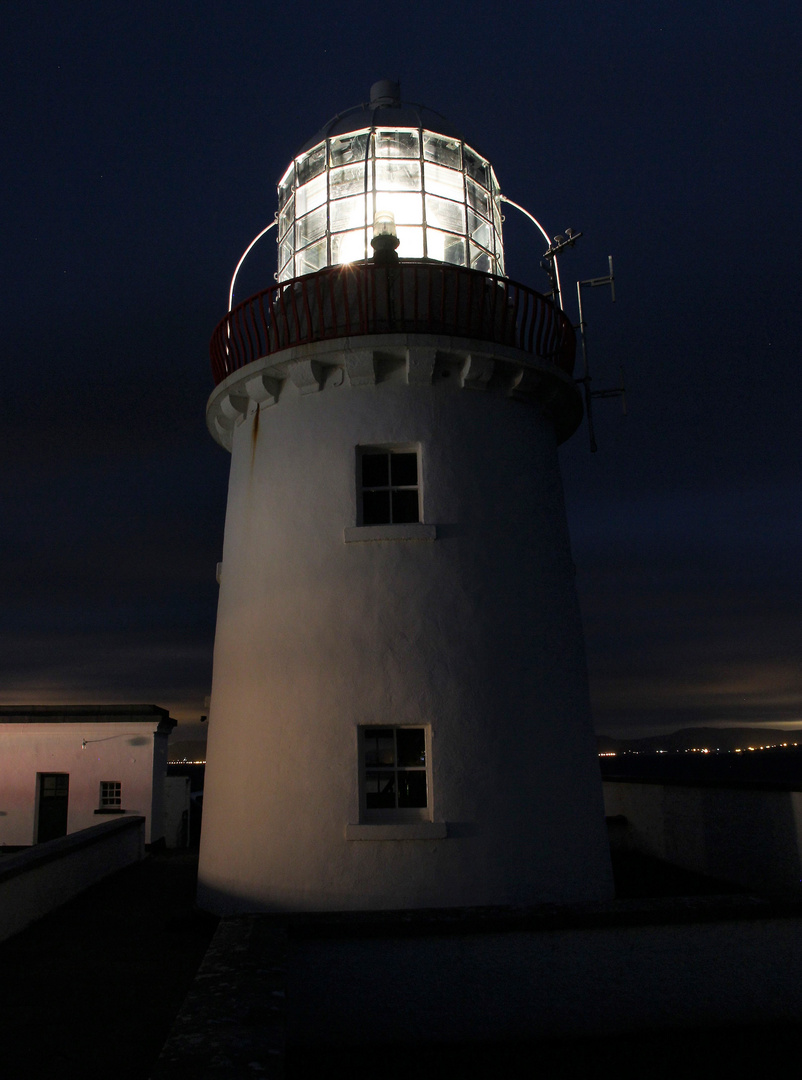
{"points": [[549, 261], [617, 391]]}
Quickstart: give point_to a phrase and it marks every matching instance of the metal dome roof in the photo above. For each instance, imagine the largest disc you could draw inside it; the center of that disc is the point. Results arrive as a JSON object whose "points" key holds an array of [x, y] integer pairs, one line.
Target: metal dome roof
{"points": [[384, 110]]}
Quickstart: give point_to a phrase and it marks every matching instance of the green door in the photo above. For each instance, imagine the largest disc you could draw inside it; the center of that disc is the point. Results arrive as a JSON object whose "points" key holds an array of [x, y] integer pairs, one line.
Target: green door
{"points": [[54, 790]]}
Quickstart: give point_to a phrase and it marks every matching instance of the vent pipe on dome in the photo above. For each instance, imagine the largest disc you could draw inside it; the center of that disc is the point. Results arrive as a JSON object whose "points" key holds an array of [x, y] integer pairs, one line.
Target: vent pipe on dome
{"points": [[385, 94]]}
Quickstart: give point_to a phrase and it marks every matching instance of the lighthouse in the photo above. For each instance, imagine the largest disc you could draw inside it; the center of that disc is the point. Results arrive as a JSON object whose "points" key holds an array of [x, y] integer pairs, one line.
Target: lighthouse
{"points": [[399, 713]]}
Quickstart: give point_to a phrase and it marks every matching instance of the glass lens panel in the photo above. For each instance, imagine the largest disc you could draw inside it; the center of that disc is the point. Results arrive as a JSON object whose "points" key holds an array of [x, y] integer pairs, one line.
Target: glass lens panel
{"points": [[445, 214], [397, 144], [476, 167], [311, 227], [410, 242], [380, 791], [407, 208], [311, 259], [285, 185], [348, 247], [404, 469], [411, 746], [285, 251], [481, 260], [441, 181], [311, 164], [497, 217], [349, 180], [379, 747], [286, 218], [445, 247], [478, 198], [479, 230], [375, 507], [349, 148], [442, 151], [405, 506], [347, 213], [398, 175], [412, 788], [375, 471], [310, 196]]}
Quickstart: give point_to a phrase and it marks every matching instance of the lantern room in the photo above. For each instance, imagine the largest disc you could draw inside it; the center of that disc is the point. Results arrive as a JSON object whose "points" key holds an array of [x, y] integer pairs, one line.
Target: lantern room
{"points": [[381, 159]]}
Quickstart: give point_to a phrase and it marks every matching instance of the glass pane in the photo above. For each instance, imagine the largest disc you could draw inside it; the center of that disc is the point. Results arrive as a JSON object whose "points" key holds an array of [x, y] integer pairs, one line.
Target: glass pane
{"points": [[286, 218], [311, 164], [407, 208], [349, 148], [442, 151], [349, 180], [480, 260], [311, 259], [410, 242], [397, 144], [476, 167], [380, 790], [497, 217], [411, 746], [480, 230], [379, 746], [347, 213], [405, 506], [285, 250], [445, 214], [375, 472], [310, 196], [348, 247], [441, 181], [375, 507], [311, 227], [404, 469], [445, 247], [398, 175], [412, 788], [285, 185], [479, 199]]}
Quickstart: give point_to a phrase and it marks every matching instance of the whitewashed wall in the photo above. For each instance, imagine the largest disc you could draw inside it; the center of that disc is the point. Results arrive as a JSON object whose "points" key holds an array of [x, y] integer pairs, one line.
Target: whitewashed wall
{"points": [[476, 633]]}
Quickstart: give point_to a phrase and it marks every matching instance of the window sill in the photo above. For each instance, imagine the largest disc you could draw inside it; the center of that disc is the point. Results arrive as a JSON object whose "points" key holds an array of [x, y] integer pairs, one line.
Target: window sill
{"points": [[363, 533], [408, 830], [110, 810]]}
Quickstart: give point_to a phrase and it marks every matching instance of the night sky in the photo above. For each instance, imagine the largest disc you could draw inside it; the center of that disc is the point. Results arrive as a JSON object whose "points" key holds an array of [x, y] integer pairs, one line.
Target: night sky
{"points": [[142, 143]]}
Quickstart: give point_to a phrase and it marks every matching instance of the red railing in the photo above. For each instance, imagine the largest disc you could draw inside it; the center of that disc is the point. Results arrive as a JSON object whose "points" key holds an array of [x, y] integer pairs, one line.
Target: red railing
{"points": [[410, 298]]}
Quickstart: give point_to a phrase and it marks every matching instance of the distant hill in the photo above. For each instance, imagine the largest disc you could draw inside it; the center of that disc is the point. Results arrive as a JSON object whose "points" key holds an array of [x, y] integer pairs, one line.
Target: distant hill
{"points": [[734, 738]]}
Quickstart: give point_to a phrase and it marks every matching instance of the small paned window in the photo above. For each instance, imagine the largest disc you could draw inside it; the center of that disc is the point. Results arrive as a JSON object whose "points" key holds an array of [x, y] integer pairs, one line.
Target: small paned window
{"points": [[111, 794], [395, 781], [389, 487]]}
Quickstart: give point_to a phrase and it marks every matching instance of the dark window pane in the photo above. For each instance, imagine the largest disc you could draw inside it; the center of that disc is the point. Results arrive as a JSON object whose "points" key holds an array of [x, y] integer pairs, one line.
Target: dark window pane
{"points": [[374, 470], [380, 791], [404, 469], [379, 747], [405, 507], [412, 788], [411, 746], [376, 507]]}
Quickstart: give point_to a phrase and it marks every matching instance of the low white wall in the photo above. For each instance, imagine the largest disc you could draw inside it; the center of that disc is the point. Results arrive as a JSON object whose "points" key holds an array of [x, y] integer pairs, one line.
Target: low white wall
{"points": [[36, 881], [745, 835], [581, 980]]}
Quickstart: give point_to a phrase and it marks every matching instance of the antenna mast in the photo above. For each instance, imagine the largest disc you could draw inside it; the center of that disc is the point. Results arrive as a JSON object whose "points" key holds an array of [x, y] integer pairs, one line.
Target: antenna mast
{"points": [[616, 391]]}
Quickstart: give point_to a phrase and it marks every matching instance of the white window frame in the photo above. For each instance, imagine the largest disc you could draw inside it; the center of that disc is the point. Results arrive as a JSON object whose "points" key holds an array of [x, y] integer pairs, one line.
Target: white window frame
{"points": [[111, 795], [394, 815], [390, 449]]}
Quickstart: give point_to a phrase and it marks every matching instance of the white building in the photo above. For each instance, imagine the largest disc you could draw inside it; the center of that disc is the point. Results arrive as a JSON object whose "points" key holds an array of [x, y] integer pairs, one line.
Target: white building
{"points": [[399, 713], [65, 768]]}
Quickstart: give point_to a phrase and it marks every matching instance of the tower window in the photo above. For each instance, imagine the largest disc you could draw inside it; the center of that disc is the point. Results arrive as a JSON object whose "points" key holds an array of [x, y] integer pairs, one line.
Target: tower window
{"points": [[110, 794], [389, 492], [394, 773]]}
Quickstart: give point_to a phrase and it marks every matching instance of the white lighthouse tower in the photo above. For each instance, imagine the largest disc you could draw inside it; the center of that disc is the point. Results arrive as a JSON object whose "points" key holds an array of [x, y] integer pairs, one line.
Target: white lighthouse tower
{"points": [[399, 713]]}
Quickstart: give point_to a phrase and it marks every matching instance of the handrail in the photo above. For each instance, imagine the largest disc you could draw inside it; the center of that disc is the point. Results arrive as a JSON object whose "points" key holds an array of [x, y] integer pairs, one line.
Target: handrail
{"points": [[410, 298]]}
